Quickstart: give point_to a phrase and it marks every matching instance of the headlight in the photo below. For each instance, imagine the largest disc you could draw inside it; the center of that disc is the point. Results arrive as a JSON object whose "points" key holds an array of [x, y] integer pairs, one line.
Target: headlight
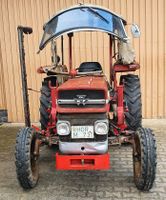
{"points": [[63, 128], [101, 127]]}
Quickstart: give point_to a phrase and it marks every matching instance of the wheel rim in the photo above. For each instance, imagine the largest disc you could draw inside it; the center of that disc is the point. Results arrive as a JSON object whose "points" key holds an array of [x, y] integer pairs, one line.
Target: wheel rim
{"points": [[34, 160], [137, 158]]}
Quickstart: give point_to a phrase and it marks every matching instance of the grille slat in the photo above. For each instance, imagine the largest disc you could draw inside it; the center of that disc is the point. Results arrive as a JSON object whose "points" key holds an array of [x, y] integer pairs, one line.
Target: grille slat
{"points": [[81, 98]]}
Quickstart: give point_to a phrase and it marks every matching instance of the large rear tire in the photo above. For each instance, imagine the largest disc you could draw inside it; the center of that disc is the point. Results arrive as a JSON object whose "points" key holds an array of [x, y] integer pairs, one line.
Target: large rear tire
{"points": [[144, 159], [132, 97], [26, 157], [45, 105]]}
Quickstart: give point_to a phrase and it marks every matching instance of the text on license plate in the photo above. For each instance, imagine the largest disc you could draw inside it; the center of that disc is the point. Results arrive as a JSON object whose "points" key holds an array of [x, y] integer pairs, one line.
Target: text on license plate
{"points": [[82, 132]]}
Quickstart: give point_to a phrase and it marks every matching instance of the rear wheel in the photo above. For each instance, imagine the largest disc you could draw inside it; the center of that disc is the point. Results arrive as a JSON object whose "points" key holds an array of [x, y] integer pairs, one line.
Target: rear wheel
{"points": [[132, 97], [144, 159], [26, 156], [45, 104]]}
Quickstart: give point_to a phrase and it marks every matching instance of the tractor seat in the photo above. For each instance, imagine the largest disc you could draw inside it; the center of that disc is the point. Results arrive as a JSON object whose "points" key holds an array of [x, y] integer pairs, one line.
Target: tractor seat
{"points": [[89, 67]]}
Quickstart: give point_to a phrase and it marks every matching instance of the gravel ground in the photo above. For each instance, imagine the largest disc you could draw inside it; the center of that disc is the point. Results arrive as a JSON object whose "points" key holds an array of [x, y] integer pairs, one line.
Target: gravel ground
{"points": [[116, 183]]}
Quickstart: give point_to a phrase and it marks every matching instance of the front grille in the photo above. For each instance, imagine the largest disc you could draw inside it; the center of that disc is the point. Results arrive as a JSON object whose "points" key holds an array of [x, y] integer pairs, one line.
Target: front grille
{"points": [[81, 98], [82, 119], [90, 94]]}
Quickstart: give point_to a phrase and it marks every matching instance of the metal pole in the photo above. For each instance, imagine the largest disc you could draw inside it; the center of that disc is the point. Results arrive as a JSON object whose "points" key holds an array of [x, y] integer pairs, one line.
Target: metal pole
{"points": [[62, 50], [70, 50], [110, 54], [21, 30]]}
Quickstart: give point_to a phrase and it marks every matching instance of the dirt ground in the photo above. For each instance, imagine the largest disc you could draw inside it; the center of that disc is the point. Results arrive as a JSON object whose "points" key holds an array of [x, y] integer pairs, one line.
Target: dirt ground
{"points": [[116, 183]]}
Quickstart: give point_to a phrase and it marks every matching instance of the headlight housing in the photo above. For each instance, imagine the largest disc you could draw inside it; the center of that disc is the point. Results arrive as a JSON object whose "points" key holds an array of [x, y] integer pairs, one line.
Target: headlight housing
{"points": [[101, 127], [63, 128]]}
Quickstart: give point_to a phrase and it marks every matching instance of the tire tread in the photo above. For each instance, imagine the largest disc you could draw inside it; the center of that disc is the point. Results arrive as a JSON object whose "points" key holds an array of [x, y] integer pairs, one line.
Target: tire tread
{"points": [[45, 104], [132, 96], [22, 158], [148, 159]]}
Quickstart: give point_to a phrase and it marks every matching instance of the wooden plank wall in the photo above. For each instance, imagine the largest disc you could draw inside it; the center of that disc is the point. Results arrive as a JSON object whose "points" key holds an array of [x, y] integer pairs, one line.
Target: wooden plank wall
{"points": [[3, 105], [150, 15]]}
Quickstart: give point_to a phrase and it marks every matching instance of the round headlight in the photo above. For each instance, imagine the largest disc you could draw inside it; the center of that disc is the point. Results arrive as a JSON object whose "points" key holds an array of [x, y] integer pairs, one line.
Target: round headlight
{"points": [[63, 128], [101, 128]]}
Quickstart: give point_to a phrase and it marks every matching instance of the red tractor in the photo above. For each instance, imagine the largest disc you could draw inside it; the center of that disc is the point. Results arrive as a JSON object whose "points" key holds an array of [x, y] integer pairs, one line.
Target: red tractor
{"points": [[80, 110]]}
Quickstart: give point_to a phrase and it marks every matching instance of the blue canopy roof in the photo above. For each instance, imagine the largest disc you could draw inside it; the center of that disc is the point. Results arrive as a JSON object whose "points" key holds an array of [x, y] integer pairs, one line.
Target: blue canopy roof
{"points": [[83, 18]]}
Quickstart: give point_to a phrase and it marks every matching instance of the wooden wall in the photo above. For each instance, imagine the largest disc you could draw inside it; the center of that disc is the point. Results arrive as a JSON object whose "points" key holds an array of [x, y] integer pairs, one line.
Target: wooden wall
{"points": [[150, 15], [2, 89]]}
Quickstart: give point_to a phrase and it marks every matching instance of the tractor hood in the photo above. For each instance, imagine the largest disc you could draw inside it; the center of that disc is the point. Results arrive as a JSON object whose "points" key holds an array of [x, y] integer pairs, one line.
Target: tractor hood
{"points": [[83, 18], [83, 95], [88, 82]]}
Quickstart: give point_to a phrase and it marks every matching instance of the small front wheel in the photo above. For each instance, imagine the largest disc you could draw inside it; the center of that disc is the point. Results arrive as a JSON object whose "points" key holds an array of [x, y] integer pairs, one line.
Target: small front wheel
{"points": [[144, 159], [26, 156]]}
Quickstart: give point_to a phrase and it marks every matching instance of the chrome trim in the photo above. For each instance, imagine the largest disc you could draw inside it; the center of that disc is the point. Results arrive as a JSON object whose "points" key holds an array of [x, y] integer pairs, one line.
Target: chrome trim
{"points": [[102, 121], [89, 147], [63, 121], [84, 5], [86, 29], [81, 101]]}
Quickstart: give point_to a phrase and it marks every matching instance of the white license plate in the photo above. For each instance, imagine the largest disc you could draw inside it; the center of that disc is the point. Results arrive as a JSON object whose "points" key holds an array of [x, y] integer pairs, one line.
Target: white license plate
{"points": [[82, 132]]}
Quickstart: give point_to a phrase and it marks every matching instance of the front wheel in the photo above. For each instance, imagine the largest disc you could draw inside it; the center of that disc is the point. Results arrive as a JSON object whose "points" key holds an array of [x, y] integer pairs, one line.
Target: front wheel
{"points": [[26, 156], [144, 159]]}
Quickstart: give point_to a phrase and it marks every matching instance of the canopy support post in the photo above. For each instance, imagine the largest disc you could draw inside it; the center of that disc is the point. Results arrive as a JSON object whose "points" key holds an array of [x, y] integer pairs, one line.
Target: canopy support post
{"points": [[62, 50], [110, 56], [70, 35]]}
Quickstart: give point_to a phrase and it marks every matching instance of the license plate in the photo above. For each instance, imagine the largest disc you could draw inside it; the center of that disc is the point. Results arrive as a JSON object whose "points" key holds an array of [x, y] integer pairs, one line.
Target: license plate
{"points": [[82, 132]]}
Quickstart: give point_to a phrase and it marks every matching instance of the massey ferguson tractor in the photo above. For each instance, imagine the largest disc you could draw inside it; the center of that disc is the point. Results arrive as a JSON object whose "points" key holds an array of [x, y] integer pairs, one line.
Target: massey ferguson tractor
{"points": [[82, 112]]}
